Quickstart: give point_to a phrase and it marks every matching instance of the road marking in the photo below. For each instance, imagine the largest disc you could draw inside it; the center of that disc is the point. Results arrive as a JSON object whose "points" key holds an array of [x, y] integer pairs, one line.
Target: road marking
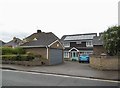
{"points": [[57, 75]]}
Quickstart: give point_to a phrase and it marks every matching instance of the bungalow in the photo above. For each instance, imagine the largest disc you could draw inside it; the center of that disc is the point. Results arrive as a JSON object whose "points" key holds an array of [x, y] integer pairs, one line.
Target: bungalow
{"points": [[15, 42], [45, 44], [77, 44]]}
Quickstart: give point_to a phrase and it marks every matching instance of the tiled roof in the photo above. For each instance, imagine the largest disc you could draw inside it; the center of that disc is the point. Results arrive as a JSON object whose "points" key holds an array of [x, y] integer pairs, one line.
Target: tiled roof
{"points": [[1, 43], [41, 39], [97, 40], [14, 42]]}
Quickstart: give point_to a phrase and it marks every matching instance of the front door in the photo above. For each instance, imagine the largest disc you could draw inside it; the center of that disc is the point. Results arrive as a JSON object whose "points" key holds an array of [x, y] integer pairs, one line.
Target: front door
{"points": [[74, 56]]}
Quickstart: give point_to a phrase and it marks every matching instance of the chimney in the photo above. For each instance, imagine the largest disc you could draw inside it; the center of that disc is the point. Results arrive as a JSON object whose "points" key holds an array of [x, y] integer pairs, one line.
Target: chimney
{"points": [[14, 38], [39, 31]]}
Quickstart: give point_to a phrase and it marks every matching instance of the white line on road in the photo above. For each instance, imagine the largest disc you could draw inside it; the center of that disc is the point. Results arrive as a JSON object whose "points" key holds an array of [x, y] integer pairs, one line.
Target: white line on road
{"points": [[66, 76]]}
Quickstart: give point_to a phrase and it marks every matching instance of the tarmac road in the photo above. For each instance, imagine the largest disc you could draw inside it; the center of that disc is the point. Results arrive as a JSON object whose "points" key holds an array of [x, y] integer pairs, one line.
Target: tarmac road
{"points": [[21, 78]]}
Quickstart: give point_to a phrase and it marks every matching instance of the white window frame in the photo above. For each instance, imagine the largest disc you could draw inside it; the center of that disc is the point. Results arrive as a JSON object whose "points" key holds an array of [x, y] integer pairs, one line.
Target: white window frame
{"points": [[66, 44], [66, 54], [89, 44]]}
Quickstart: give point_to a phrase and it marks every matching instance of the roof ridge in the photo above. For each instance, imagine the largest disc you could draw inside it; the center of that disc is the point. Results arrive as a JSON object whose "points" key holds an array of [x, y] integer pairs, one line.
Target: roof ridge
{"points": [[80, 34]]}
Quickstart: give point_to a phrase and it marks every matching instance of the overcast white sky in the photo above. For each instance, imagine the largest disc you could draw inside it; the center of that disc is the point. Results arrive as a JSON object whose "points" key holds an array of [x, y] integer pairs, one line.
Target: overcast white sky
{"points": [[21, 18]]}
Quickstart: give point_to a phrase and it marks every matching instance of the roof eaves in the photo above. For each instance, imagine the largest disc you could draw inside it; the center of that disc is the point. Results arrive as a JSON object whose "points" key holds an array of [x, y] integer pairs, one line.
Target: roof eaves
{"points": [[33, 46]]}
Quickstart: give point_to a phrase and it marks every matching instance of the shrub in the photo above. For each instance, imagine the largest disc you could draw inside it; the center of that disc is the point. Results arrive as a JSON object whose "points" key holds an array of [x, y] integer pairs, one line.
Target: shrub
{"points": [[7, 50], [18, 50], [29, 53], [9, 57], [29, 58], [17, 57], [10, 51]]}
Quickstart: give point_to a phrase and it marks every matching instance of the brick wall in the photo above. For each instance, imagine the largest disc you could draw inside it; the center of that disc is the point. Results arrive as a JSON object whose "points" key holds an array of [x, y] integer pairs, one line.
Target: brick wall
{"points": [[57, 45], [38, 51], [97, 50], [105, 62]]}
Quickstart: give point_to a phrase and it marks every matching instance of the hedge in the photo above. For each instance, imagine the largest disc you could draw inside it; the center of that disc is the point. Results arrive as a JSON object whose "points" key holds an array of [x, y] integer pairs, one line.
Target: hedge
{"points": [[10, 51], [17, 57]]}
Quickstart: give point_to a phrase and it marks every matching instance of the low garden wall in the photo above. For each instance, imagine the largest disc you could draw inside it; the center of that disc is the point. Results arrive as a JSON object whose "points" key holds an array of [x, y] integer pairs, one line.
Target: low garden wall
{"points": [[105, 62], [24, 63], [24, 60]]}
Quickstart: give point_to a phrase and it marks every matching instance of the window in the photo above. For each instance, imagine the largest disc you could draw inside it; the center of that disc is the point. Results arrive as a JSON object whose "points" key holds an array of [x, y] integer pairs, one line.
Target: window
{"points": [[35, 39], [89, 44], [57, 45], [66, 54], [66, 44], [78, 42]]}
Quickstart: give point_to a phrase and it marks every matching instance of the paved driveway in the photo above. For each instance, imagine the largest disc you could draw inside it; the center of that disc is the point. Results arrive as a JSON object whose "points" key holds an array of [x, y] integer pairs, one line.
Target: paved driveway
{"points": [[71, 68]]}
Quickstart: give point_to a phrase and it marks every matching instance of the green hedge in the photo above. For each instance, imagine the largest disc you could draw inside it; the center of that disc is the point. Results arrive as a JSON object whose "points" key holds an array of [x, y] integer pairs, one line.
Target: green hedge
{"points": [[17, 57], [10, 51]]}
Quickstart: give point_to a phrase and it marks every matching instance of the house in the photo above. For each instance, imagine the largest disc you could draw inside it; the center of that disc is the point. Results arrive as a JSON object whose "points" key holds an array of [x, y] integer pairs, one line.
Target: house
{"points": [[1, 43], [77, 44], [45, 44], [98, 47], [15, 42]]}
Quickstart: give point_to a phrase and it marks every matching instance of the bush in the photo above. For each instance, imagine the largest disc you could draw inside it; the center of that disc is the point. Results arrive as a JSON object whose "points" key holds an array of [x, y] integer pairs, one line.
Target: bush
{"points": [[18, 50], [17, 57], [7, 50], [8, 57], [11, 51], [29, 57]]}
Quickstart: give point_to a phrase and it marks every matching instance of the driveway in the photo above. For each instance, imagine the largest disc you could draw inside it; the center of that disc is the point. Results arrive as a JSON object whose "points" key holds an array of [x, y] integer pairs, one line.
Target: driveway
{"points": [[70, 68]]}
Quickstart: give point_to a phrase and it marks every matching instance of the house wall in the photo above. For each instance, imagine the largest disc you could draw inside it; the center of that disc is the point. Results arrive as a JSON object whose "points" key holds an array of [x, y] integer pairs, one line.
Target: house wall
{"points": [[98, 49], [55, 45], [38, 51]]}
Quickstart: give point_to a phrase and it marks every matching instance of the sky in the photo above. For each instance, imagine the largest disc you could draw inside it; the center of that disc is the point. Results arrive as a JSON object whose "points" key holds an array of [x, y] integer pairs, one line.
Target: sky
{"points": [[21, 18]]}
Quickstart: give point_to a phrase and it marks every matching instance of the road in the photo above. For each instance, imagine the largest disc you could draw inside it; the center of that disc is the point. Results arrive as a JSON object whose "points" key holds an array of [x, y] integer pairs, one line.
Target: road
{"points": [[21, 78]]}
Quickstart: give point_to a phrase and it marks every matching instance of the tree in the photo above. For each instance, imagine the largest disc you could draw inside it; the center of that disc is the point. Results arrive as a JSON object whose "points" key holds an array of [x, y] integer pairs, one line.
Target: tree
{"points": [[111, 39]]}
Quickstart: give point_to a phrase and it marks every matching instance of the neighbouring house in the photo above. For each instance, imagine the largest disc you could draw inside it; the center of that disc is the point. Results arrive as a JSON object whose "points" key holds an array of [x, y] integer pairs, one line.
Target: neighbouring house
{"points": [[1, 43], [45, 44], [98, 47], [77, 44], [15, 42]]}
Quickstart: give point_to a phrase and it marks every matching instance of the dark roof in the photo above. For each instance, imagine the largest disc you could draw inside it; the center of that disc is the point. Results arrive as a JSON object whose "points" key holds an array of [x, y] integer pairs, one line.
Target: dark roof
{"points": [[80, 36], [42, 39], [14, 42], [97, 40], [1, 43]]}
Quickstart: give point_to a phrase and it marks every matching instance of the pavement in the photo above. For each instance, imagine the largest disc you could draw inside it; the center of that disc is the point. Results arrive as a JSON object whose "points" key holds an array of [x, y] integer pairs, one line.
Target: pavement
{"points": [[68, 68]]}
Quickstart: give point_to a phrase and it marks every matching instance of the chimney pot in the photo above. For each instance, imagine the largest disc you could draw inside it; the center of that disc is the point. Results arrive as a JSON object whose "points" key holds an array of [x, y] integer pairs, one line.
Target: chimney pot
{"points": [[39, 31]]}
